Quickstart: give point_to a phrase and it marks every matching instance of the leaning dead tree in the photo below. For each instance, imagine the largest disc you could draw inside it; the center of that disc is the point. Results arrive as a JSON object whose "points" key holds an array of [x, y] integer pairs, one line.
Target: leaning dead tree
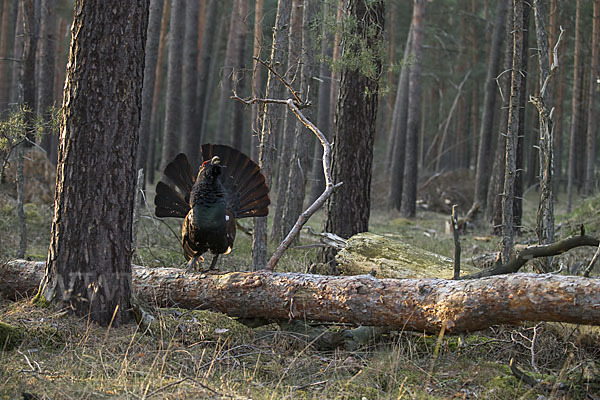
{"points": [[411, 304], [545, 213], [295, 105]]}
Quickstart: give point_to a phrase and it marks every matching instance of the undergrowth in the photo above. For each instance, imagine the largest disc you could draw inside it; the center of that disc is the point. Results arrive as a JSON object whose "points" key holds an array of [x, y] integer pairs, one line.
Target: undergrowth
{"points": [[197, 354]]}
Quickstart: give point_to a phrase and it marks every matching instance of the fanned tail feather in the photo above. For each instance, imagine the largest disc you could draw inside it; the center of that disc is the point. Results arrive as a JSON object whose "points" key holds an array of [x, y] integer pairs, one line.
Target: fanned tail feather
{"points": [[174, 201], [169, 203], [248, 193], [179, 171]]}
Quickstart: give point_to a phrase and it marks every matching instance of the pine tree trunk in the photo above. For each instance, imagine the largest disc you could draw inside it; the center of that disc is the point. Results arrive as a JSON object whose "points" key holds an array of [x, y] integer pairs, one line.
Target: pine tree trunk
{"points": [[323, 117], [545, 212], [172, 128], [158, 87], [299, 164], [493, 210], [89, 260], [268, 125], [482, 172], [189, 79], [592, 119], [150, 67], [238, 129], [396, 149], [27, 70], [16, 38], [257, 80], [349, 206], [208, 49], [575, 109], [409, 183], [223, 131], [47, 61], [335, 59], [556, 90], [287, 137], [523, 130], [508, 229], [6, 66], [213, 71]]}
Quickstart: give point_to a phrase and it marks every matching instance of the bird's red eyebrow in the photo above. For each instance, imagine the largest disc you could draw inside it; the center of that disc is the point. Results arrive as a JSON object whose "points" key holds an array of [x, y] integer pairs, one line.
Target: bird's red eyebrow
{"points": [[204, 163]]}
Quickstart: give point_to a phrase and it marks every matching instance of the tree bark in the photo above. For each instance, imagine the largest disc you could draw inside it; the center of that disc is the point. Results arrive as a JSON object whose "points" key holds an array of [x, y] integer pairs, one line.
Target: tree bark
{"points": [[409, 183], [238, 120], [482, 172], [396, 149], [6, 51], [208, 50], [523, 131], [150, 67], [269, 124], [172, 128], [592, 119], [403, 304], [47, 61], [575, 109], [510, 166], [223, 131], [348, 207], [27, 68], [285, 144], [299, 163], [189, 77], [545, 212], [88, 269], [257, 78], [158, 86], [323, 113], [493, 209]]}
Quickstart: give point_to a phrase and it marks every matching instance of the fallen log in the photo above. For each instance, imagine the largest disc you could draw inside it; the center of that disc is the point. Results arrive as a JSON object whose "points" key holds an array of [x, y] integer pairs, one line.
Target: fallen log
{"points": [[411, 304]]}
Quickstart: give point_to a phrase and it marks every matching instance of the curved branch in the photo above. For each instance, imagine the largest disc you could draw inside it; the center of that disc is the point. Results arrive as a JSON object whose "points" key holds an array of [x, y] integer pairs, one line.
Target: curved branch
{"points": [[329, 186], [532, 252]]}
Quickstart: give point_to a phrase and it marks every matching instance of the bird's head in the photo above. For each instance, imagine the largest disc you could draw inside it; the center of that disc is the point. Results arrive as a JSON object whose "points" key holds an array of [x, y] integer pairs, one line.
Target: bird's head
{"points": [[210, 168]]}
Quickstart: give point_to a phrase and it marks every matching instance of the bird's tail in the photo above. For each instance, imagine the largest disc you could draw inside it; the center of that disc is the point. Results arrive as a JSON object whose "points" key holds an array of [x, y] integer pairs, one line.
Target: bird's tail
{"points": [[174, 201], [247, 190]]}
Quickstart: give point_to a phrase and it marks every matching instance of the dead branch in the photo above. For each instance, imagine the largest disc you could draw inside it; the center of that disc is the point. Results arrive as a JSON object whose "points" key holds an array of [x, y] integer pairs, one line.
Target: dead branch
{"points": [[406, 304], [329, 187], [282, 79], [295, 106], [532, 252], [590, 266], [454, 221]]}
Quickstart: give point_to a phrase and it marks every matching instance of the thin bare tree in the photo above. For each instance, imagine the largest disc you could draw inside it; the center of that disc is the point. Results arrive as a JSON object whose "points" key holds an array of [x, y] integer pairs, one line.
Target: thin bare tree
{"points": [[268, 124], [592, 119], [172, 128], [575, 108], [508, 230], [408, 207]]}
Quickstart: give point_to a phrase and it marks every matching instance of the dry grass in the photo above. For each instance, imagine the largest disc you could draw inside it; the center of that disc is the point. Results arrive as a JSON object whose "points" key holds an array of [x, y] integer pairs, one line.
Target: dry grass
{"points": [[197, 354], [189, 355]]}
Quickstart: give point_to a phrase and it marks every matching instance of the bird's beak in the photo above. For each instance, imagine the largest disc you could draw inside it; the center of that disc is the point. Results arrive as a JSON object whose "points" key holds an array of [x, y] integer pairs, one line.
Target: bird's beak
{"points": [[215, 160]]}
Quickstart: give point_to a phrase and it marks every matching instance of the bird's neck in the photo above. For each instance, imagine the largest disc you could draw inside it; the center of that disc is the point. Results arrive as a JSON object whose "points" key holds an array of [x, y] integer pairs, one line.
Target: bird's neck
{"points": [[207, 193]]}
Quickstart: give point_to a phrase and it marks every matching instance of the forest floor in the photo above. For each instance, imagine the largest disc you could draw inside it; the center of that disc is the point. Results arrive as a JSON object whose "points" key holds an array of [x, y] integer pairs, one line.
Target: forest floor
{"points": [[199, 354]]}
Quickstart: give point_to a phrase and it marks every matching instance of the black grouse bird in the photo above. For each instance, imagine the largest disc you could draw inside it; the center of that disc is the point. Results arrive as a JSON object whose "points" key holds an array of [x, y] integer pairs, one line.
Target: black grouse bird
{"points": [[229, 185]]}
